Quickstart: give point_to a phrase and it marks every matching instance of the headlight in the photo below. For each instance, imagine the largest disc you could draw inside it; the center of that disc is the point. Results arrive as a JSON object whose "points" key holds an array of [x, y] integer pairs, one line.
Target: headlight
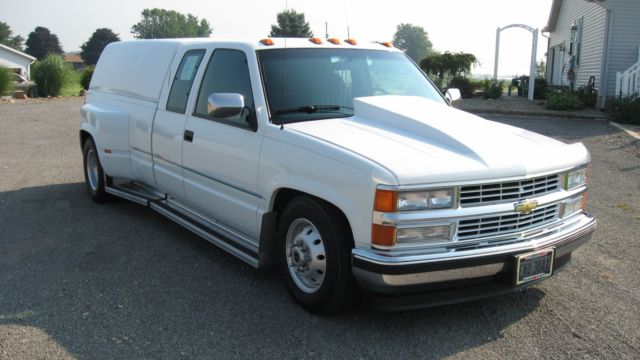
{"points": [[426, 199], [423, 235], [576, 178]]}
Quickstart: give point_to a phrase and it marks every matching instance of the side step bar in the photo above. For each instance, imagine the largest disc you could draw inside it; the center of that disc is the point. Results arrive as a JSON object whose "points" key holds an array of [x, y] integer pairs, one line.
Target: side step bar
{"points": [[140, 196]]}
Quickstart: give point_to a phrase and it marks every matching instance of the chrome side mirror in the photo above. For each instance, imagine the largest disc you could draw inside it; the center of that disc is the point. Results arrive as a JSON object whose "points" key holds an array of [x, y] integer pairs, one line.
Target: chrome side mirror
{"points": [[452, 95], [225, 105]]}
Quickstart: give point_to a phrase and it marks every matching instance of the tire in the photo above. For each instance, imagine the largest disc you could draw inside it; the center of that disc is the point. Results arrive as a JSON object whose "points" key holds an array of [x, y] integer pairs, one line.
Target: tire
{"points": [[93, 174], [314, 256]]}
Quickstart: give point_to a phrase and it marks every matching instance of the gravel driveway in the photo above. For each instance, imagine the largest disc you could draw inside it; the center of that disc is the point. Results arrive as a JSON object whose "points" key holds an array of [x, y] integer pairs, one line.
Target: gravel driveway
{"points": [[81, 280]]}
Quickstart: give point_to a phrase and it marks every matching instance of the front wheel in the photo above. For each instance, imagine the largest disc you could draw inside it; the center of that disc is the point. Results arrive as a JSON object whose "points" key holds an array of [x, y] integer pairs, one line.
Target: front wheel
{"points": [[93, 173], [314, 256]]}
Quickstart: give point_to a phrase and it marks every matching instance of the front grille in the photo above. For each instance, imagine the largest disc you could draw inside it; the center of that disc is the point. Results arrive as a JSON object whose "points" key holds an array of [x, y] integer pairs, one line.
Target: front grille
{"points": [[508, 191], [505, 224]]}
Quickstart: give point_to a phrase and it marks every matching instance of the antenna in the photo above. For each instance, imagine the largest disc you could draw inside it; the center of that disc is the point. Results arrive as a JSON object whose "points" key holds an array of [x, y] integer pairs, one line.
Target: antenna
{"points": [[346, 15], [326, 30]]}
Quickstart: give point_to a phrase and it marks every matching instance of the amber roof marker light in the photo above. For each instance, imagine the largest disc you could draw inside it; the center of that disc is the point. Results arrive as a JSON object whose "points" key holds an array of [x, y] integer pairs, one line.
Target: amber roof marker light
{"points": [[267, 42], [388, 44], [351, 41], [316, 41], [334, 41]]}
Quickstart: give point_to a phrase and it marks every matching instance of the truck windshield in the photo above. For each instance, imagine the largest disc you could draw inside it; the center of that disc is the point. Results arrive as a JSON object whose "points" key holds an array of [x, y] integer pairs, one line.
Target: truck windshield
{"points": [[311, 84]]}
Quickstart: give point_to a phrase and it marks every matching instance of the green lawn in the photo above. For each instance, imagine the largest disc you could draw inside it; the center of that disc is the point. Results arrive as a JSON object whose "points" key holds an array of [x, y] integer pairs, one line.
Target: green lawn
{"points": [[72, 87]]}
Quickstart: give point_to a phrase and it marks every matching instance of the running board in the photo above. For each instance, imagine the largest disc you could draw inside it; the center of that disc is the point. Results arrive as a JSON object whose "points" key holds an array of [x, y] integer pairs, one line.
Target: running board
{"points": [[244, 254], [125, 194], [140, 196]]}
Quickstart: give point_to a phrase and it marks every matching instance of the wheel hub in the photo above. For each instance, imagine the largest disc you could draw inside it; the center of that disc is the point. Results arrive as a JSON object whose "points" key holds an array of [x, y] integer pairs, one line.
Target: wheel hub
{"points": [[306, 255], [92, 169]]}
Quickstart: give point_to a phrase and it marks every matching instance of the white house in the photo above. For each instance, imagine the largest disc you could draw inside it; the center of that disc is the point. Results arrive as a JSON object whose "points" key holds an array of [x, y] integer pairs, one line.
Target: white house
{"points": [[16, 61], [592, 38]]}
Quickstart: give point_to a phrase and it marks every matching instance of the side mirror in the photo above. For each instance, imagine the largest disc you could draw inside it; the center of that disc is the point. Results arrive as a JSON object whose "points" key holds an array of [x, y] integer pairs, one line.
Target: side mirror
{"points": [[453, 95], [225, 105]]}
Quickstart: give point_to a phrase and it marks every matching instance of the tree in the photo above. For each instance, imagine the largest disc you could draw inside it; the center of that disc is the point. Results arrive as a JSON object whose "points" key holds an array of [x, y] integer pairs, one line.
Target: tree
{"points": [[41, 42], [162, 24], [451, 64], [541, 69], [413, 40], [7, 37], [92, 49], [291, 24]]}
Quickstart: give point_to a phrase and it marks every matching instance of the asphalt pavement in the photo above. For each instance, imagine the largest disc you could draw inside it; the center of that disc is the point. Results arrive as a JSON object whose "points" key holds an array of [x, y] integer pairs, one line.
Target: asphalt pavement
{"points": [[89, 281]]}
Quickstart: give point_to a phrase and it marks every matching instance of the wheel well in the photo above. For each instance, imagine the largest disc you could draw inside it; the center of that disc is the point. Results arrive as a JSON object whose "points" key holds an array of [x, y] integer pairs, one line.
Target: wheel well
{"points": [[269, 231], [84, 135]]}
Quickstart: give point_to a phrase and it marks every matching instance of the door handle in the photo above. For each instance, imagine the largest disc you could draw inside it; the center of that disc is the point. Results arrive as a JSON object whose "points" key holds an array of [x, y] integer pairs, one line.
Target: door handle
{"points": [[188, 135]]}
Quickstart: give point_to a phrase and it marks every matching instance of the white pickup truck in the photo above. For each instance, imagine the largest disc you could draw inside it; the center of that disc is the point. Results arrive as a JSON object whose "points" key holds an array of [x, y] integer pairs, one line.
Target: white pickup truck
{"points": [[339, 162]]}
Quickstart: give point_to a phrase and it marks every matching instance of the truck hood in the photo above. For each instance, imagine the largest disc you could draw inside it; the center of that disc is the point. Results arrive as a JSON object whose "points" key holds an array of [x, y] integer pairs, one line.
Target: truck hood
{"points": [[423, 142]]}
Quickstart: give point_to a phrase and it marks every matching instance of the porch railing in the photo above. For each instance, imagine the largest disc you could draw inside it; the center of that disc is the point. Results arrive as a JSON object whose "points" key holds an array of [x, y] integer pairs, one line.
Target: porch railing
{"points": [[628, 82]]}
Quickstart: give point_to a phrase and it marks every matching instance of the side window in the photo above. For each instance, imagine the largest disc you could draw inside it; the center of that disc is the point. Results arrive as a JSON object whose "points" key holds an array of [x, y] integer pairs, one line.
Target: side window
{"points": [[183, 81], [227, 72]]}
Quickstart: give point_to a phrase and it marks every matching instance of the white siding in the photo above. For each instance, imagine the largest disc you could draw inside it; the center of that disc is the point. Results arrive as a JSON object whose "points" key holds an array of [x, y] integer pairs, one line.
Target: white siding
{"points": [[624, 39], [11, 60], [593, 23]]}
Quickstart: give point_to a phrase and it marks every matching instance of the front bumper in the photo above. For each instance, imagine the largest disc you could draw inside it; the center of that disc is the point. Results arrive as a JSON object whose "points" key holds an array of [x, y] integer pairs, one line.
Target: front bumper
{"points": [[459, 276]]}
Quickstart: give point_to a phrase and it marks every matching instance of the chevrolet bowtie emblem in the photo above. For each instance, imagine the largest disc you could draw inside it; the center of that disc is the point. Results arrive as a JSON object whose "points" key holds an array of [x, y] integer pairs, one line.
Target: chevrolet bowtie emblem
{"points": [[527, 206]]}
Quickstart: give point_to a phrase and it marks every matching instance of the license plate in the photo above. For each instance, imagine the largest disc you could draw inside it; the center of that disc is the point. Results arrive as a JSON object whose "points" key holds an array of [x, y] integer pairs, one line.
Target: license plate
{"points": [[534, 266]]}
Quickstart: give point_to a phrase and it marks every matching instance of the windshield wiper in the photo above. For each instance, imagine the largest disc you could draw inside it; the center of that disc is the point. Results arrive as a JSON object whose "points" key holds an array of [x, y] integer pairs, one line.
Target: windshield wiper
{"points": [[310, 109]]}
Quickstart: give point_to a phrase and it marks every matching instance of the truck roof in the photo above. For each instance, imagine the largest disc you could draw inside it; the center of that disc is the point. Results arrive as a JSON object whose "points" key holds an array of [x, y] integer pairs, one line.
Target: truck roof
{"points": [[138, 68]]}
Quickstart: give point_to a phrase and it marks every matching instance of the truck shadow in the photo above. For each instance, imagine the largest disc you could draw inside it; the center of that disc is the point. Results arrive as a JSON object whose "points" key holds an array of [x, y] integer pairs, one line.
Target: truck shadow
{"points": [[120, 281]]}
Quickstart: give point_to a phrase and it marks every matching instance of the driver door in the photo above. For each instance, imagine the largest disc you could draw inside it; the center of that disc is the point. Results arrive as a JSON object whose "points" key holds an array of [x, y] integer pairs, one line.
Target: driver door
{"points": [[220, 156]]}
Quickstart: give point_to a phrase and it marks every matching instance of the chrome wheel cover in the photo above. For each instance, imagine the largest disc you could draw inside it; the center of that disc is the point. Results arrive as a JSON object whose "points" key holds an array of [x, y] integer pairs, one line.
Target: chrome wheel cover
{"points": [[92, 169], [306, 256]]}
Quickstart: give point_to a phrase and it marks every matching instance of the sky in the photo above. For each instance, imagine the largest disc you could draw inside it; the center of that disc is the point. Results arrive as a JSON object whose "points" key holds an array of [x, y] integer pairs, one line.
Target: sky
{"points": [[452, 25]]}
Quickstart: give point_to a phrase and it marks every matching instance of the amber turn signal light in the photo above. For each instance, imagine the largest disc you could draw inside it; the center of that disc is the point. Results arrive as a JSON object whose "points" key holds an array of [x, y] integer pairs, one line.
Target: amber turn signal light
{"points": [[383, 235], [386, 201]]}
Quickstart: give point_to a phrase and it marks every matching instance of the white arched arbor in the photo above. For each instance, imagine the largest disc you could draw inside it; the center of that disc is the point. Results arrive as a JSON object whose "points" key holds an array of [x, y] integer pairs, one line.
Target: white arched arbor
{"points": [[534, 50]]}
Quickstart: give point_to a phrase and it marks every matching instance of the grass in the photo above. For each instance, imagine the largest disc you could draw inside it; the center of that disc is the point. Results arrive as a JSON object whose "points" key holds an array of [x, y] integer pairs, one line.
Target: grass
{"points": [[72, 87]]}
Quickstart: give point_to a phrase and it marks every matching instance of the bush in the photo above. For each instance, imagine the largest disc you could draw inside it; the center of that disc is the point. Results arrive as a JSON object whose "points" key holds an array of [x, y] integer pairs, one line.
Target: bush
{"points": [[625, 110], [539, 87], [466, 86], [588, 96], [5, 80], [491, 90], [85, 79], [563, 101], [51, 74]]}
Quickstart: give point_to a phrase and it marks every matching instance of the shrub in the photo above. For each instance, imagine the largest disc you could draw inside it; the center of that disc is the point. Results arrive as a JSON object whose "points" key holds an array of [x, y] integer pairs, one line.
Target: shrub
{"points": [[491, 90], [5, 80], [85, 79], [466, 86], [588, 96], [625, 110], [539, 87], [51, 74], [563, 101]]}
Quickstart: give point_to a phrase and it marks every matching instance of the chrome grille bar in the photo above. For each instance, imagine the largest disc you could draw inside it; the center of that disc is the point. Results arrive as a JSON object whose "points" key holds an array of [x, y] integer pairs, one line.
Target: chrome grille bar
{"points": [[505, 224], [474, 195]]}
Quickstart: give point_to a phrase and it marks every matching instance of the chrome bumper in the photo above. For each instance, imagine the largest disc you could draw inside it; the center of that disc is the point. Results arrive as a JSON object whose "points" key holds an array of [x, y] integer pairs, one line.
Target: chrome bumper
{"points": [[385, 274]]}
